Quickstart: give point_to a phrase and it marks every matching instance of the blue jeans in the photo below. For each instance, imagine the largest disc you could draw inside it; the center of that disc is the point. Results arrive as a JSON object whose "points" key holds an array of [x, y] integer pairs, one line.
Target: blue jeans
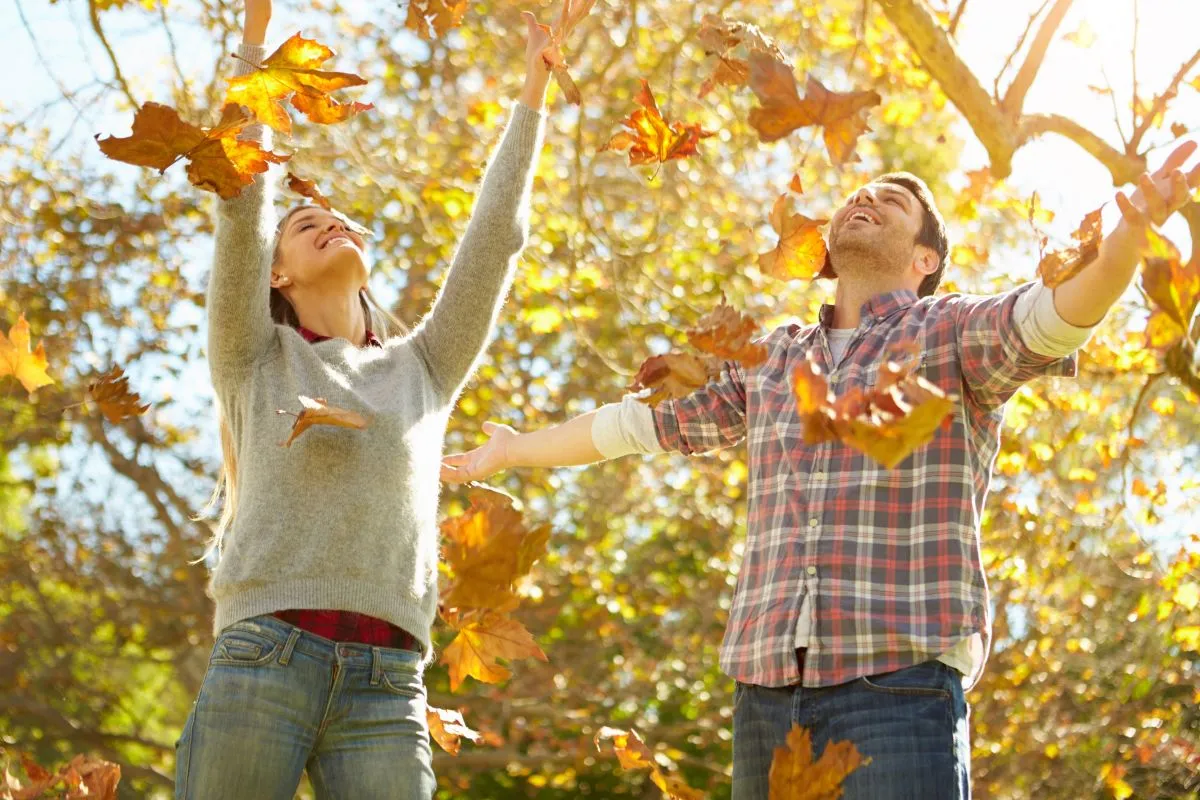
{"points": [[912, 723], [277, 700]]}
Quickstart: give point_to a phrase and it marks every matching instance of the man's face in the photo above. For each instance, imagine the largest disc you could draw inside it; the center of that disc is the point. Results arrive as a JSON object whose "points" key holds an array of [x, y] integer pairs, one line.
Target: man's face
{"points": [[875, 230]]}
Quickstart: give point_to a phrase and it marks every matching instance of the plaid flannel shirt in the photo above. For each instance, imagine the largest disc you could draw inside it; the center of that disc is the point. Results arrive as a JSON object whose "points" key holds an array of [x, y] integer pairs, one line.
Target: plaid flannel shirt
{"points": [[889, 557]]}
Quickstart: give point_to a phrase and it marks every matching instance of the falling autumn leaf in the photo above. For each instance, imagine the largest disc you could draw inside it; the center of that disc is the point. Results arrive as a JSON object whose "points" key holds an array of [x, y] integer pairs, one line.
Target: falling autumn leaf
{"points": [[633, 754], [1059, 266], [726, 333], [1172, 286], [111, 393], [795, 776], [483, 638], [16, 358], [291, 71], [307, 188], [841, 115], [672, 376], [447, 727], [900, 414], [316, 412], [800, 251], [488, 548], [433, 19], [81, 777], [720, 37], [650, 138], [217, 160]]}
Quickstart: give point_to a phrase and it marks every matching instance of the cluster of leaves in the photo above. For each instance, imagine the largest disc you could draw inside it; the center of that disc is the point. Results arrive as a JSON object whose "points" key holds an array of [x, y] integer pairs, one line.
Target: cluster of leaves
{"points": [[82, 777]]}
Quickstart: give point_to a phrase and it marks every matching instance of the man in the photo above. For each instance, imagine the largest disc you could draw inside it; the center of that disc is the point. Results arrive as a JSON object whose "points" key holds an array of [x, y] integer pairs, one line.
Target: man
{"points": [[861, 606]]}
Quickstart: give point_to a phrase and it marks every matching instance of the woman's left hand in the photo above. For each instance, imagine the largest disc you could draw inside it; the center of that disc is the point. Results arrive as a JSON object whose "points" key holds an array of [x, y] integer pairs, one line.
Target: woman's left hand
{"points": [[543, 51]]}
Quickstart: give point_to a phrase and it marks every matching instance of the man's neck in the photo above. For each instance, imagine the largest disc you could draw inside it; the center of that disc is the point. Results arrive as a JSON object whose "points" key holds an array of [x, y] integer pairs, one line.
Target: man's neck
{"points": [[850, 297], [338, 316]]}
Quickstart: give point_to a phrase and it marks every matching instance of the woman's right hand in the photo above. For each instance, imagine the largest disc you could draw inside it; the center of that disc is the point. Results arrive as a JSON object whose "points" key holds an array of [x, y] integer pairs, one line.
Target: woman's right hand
{"points": [[258, 16], [482, 462]]}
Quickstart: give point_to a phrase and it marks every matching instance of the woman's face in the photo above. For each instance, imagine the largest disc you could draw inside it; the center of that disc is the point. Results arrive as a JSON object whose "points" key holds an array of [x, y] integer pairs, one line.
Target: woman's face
{"points": [[317, 248]]}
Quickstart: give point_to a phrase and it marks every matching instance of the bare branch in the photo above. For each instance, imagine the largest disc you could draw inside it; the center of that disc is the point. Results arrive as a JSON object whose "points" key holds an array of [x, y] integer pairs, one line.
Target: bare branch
{"points": [[1017, 48], [1112, 95], [1160, 102], [957, 17], [938, 55], [1123, 167], [1014, 98], [94, 15]]}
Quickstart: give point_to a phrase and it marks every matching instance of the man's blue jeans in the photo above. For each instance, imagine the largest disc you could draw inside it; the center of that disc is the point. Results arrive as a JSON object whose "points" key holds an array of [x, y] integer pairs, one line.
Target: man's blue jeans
{"points": [[277, 700], [912, 723]]}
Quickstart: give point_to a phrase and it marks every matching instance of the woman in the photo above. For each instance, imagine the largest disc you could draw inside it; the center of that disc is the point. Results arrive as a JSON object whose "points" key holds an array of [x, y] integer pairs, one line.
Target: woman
{"points": [[326, 586]]}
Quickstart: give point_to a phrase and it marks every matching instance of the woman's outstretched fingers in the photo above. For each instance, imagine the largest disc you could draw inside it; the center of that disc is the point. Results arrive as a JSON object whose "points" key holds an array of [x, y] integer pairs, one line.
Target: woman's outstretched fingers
{"points": [[454, 469]]}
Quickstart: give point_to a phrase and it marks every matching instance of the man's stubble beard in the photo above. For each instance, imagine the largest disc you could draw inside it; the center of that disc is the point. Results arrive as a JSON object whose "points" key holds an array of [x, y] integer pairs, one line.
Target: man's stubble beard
{"points": [[867, 259]]}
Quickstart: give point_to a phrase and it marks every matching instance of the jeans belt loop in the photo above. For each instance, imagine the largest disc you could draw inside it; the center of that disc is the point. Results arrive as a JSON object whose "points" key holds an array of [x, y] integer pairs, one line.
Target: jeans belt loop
{"points": [[288, 648], [376, 666]]}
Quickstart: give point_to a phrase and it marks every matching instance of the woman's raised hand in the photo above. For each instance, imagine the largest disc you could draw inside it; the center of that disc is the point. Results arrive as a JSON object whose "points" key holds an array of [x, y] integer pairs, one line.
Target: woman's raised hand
{"points": [[543, 45], [258, 16]]}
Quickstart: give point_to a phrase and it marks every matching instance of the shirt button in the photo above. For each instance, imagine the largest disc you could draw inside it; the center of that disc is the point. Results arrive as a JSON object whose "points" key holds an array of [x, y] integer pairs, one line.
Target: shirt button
{"points": [[812, 570], [814, 522]]}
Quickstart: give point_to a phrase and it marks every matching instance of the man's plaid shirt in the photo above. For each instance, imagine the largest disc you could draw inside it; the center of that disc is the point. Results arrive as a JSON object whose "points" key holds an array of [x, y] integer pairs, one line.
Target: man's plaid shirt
{"points": [[890, 557]]}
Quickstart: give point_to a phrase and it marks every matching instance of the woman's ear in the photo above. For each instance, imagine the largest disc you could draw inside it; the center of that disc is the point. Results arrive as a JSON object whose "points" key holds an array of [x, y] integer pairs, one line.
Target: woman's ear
{"points": [[279, 281]]}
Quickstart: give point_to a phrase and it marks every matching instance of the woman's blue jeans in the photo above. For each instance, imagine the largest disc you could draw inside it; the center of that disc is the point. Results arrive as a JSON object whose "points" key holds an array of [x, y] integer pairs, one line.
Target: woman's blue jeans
{"points": [[277, 700]]}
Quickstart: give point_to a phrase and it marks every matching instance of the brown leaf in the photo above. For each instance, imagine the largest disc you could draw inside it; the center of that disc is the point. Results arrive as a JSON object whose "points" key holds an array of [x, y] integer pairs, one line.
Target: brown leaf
{"points": [[82, 777], [649, 138], [483, 638], [900, 414], [448, 728], [488, 549], [842, 115], [726, 333], [800, 252], [1061, 265], [308, 189], [1172, 286], [567, 84], [17, 359], [218, 161], [111, 393], [316, 412], [292, 71], [433, 19], [672, 376], [719, 37], [795, 776]]}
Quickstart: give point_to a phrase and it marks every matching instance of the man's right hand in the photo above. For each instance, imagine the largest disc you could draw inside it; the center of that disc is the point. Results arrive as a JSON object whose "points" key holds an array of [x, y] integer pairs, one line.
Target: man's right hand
{"points": [[482, 462]]}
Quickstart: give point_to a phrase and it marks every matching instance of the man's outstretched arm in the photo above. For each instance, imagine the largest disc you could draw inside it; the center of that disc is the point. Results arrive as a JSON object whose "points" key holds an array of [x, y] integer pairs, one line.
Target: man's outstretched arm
{"points": [[1085, 299]]}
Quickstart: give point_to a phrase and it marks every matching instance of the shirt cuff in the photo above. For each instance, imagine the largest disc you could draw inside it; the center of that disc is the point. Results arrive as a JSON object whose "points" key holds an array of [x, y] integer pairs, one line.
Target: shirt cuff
{"points": [[624, 428], [1041, 327]]}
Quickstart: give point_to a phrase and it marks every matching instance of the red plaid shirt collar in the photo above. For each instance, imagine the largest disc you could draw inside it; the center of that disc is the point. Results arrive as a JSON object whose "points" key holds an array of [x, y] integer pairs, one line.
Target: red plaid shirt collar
{"points": [[890, 557], [314, 337]]}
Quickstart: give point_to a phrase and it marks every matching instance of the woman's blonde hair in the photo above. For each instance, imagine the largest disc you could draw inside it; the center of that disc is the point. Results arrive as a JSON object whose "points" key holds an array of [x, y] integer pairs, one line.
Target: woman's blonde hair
{"points": [[380, 321]]}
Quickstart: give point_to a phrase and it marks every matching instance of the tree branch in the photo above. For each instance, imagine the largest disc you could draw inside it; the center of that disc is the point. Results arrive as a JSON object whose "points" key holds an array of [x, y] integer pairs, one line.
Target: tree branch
{"points": [[94, 15], [957, 17], [1123, 167], [940, 58], [1014, 98], [1017, 48], [1160, 102]]}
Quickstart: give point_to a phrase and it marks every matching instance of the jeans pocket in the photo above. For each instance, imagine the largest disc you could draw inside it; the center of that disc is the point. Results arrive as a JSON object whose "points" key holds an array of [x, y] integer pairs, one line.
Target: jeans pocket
{"points": [[921, 680], [241, 648], [403, 681]]}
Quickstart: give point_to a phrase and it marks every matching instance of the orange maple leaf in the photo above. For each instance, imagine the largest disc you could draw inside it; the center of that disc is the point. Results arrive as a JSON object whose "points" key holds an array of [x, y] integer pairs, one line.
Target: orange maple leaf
{"points": [[447, 727], [800, 252], [292, 71], [16, 358], [112, 395], [433, 19], [1059, 266], [1172, 286], [795, 776], [632, 753], [81, 777], [217, 160], [900, 414], [483, 637], [317, 412], [726, 333], [673, 375], [488, 549], [842, 115], [307, 188], [650, 138]]}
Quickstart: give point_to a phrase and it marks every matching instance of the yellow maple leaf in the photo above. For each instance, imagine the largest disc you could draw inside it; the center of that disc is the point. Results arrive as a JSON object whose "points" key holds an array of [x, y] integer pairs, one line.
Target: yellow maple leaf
{"points": [[16, 358]]}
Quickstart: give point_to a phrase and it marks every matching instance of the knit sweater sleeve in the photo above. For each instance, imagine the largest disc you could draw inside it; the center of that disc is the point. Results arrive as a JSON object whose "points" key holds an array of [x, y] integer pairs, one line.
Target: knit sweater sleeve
{"points": [[453, 335], [239, 321]]}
